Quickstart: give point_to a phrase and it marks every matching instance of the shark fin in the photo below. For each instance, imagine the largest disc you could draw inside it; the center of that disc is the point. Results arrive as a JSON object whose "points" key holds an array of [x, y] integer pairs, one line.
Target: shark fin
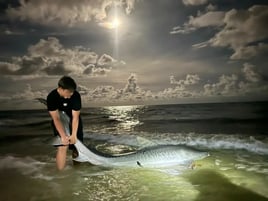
{"points": [[143, 142], [139, 164]]}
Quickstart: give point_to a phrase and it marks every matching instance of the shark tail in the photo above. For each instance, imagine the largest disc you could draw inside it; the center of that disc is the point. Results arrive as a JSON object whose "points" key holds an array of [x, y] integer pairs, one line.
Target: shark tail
{"points": [[86, 155]]}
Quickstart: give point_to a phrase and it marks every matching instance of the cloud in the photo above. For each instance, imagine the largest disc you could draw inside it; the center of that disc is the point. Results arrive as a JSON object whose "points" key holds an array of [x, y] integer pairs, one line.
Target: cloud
{"points": [[250, 74], [103, 93], [105, 60], [131, 86], [243, 31], [248, 83], [7, 68], [209, 19], [242, 27], [248, 52], [181, 90], [49, 48], [66, 12], [176, 94], [29, 94], [131, 93], [49, 57], [227, 85], [182, 84], [194, 2], [23, 99]]}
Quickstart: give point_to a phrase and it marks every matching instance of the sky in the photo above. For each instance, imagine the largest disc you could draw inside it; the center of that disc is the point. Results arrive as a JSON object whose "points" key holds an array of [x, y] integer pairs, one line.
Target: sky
{"points": [[132, 52]]}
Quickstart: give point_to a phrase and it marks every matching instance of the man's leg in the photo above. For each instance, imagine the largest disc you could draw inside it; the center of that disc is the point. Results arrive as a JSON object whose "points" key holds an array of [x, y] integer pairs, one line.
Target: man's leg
{"points": [[61, 157]]}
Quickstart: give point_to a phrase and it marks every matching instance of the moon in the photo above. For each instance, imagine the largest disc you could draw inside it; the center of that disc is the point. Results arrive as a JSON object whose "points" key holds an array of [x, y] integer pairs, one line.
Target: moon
{"points": [[115, 23]]}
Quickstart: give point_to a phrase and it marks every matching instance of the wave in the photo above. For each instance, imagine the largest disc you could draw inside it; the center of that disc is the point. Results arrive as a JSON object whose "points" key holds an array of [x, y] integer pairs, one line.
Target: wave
{"points": [[253, 144], [24, 123], [204, 120], [26, 165], [222, 141], [29, 166]]}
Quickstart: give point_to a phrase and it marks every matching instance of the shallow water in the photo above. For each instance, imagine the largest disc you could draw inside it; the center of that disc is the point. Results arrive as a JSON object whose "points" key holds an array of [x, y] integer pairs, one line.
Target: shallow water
{"points": [[29, 173], [237, 168]]}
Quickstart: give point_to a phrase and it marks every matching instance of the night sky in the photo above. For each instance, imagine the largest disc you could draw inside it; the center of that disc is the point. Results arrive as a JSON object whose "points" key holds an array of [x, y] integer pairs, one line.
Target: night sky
{"points": [[126, 52]]}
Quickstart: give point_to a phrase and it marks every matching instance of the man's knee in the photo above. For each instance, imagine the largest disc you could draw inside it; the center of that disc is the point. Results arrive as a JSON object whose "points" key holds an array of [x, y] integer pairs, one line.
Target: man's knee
{"points": [[62, 149]]}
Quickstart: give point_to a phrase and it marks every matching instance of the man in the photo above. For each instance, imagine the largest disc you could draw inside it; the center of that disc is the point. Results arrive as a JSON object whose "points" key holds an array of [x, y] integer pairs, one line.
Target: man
{"points": [[65, 98]]}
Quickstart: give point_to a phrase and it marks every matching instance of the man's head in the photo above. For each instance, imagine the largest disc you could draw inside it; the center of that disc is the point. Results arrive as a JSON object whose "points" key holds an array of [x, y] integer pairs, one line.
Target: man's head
{"points": [[66, 86]]}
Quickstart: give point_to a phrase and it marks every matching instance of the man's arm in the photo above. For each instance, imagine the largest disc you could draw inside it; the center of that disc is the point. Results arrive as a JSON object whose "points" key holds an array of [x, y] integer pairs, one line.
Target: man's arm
{"points": [[75, 122], [57, 122]]}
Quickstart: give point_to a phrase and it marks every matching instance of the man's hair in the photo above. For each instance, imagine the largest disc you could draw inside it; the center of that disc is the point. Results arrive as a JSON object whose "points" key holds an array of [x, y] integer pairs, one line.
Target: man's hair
{"points": [[67, 82]]}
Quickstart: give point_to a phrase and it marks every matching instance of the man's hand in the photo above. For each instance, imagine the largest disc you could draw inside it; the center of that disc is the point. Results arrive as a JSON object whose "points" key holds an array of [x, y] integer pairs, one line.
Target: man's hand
{"points": [[64, 140], [72, 139]]}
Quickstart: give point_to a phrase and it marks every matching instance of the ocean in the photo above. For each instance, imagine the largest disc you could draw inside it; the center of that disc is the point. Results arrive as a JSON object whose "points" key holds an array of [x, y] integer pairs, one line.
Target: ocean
{"points": [[235, 135]]}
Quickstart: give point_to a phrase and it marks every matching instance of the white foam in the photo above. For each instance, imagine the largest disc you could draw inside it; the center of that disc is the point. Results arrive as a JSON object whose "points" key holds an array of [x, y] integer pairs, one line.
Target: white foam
{"points": [[225, 168], [31, 167], [26, 165], [217, 162], [43, 177], [206, 141], [240, 166], [217, 141]]}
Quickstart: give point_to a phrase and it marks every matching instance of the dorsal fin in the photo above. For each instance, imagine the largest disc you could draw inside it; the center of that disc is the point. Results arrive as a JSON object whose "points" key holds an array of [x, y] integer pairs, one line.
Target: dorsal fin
{"points": [[143, 142], [139, 164]]}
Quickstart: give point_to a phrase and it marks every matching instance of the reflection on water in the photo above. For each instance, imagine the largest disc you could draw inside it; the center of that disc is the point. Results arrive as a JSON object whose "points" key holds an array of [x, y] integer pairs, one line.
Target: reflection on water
{"points": [[109, 185], [134, 184], [125, 115]]}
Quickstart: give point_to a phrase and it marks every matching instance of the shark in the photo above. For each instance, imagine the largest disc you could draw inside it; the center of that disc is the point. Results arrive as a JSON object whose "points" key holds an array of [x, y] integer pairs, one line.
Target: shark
{"points": [[154, 156]]}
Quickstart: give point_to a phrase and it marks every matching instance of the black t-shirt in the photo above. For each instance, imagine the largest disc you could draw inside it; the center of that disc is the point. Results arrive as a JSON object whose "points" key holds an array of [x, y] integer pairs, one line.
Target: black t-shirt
{"points": [[56, 102]]}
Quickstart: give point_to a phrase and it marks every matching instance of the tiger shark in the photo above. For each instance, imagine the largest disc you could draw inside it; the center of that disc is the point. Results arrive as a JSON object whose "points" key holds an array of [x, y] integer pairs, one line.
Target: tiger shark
{"points": [[157, 156]]}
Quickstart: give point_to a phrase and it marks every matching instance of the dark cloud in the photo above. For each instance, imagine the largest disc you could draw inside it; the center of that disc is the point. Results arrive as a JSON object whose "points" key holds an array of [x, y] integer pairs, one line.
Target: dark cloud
{"points": [[56, 68], [242, 27], [241, 30], [7, 68], [49, 57]]}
